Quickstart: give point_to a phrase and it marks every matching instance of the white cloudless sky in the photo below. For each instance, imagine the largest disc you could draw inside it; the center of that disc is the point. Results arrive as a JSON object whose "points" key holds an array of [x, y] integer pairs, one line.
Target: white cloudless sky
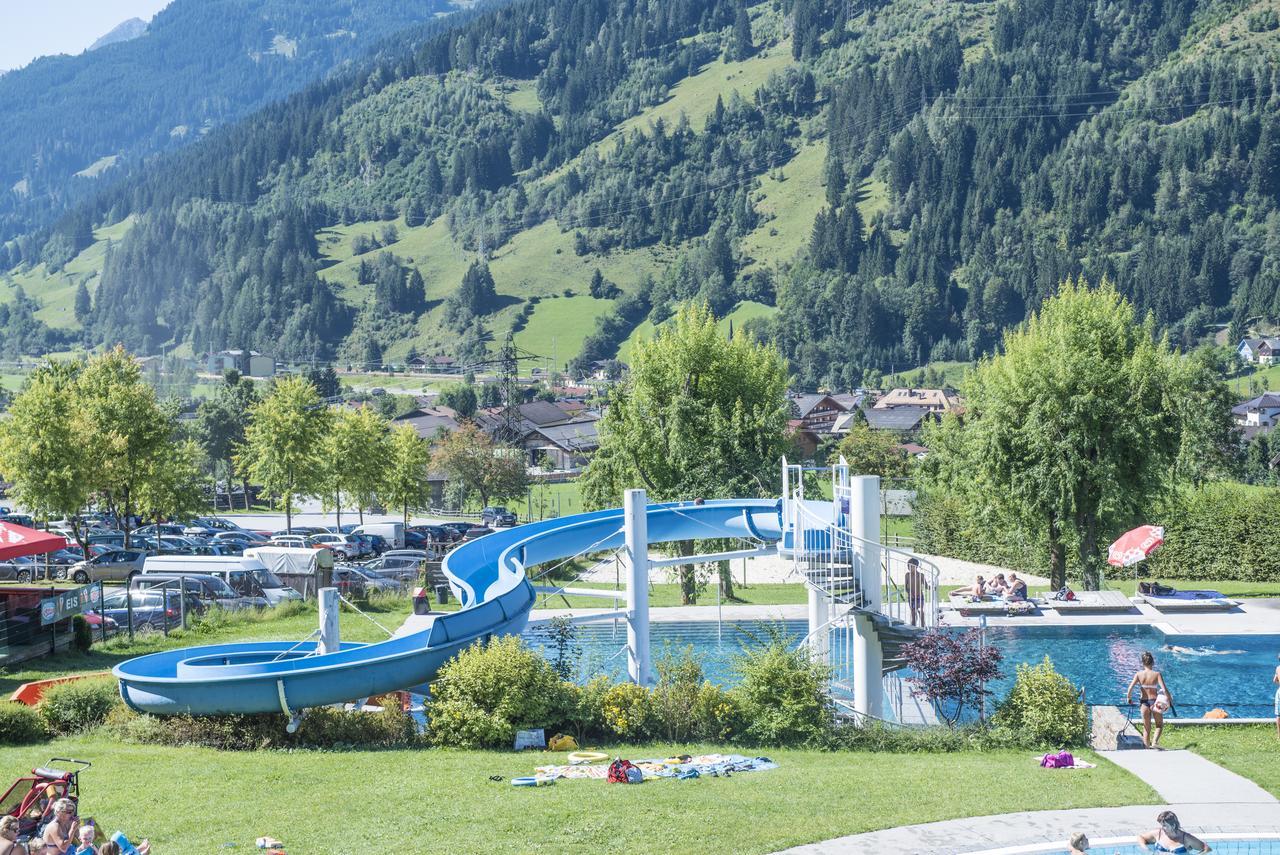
{"points": [[32, 28]]}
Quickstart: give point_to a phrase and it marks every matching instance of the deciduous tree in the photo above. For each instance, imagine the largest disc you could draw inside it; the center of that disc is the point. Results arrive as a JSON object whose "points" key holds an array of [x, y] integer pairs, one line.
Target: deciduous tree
{"points": [[283, 441], [406, 485], [482, 466]]}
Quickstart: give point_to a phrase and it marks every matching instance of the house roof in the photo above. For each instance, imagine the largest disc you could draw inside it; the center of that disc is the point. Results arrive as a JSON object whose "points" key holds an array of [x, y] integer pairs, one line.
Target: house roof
{"points": [[1253, 343], [937, 399], [1265, 401], [897, 418], [574, 436], [913, 448], [427, 421], [806, 404], [848, 400]]}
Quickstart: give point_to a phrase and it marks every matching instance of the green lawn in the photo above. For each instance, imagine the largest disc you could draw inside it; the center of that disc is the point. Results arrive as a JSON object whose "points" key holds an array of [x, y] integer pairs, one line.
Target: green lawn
{"points": [[355, 802], [1248, 750], [560, 324]]}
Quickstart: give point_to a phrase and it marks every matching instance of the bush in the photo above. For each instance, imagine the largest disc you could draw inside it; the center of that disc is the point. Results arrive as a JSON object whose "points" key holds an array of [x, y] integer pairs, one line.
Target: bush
{"points": [[675, 698], [627, 710], [783, 695], [1044, 707], [503, 680], [21, 724], [585, 707], [875, 736], [81, 634], [321, 727], [79, 705], [715, 714]]}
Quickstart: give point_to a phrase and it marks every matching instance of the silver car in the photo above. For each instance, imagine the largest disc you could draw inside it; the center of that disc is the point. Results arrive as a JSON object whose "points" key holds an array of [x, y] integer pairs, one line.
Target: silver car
{"points": [[114, 566]]}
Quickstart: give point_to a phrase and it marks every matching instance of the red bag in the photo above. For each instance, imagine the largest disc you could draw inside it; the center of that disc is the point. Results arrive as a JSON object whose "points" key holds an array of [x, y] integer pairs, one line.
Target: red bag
{"points": [[618, 771]]}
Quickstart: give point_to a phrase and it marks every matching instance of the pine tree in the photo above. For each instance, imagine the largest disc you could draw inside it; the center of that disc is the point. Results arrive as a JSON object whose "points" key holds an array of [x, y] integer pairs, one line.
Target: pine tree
{"points": [[83, 304], [740, 44]]}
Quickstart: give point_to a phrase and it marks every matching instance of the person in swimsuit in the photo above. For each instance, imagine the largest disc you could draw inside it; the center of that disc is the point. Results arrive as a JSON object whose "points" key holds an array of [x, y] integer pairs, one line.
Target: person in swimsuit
{"points": [[9, 844], [915, 585], [974, 590], [997, 587], [1017, 589], [64, 829], [1169, 836], [1151, 687], [1078, 844], [1275, 678]]}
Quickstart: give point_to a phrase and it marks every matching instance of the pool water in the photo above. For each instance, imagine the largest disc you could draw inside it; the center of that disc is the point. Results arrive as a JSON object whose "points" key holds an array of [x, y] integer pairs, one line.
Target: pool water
{"points": [[1268, 846], [1203, 672]]}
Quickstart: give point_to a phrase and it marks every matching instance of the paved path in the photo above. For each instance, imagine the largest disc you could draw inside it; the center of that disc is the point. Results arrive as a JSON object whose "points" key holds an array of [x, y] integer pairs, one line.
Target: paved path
{"points": [[1183, 776], [1206, 797], [1014, 831]]}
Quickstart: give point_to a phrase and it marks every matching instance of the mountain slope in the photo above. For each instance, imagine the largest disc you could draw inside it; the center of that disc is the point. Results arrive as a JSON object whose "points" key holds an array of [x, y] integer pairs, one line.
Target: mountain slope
{"points": [[199, 64], [868, 191], [122, 32]]}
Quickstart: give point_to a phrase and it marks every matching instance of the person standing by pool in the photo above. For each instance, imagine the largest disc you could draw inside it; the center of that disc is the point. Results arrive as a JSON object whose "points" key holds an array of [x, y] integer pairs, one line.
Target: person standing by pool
{"points": [[1154, 697], [1275, 678], [1169, 836], [916, 585]]}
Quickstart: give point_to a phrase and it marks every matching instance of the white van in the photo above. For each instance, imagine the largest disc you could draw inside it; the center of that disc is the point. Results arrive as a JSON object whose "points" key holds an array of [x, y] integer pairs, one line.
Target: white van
{"points": [[246, 575], [392, 533]]}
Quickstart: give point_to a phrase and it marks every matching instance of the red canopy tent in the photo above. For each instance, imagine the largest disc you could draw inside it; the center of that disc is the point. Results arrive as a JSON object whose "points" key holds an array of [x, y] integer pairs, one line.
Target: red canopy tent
{"points": [[18, 540]]}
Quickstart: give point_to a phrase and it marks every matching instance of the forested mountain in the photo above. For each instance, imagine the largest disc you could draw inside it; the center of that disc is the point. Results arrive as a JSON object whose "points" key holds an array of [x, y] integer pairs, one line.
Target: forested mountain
{"points": [[71, 122], [873, 185]]}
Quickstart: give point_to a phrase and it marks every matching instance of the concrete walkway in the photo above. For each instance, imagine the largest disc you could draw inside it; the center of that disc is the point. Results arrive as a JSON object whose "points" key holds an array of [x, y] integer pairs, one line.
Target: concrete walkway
{"points": [[1183, 776], [1013, 831], [1205, 796]]}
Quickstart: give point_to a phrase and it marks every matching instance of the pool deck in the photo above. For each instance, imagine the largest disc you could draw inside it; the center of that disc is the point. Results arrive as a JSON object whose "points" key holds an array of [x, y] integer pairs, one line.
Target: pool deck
{"points": [[1261, 617]]}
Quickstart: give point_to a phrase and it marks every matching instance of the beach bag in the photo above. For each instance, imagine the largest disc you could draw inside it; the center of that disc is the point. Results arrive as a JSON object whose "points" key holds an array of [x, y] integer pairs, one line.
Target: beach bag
{"points": [[560, 742], [1065, 594], [1162, 590], [618, 770]]}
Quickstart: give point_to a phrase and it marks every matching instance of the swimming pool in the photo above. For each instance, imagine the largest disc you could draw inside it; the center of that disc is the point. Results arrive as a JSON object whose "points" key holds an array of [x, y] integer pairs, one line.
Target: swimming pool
{"points": [[1228, 671], [1240, 844]]}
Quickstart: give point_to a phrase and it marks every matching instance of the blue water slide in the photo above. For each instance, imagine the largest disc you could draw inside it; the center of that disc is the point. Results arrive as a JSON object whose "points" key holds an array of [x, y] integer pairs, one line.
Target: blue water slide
{"points": [[488, 577]]}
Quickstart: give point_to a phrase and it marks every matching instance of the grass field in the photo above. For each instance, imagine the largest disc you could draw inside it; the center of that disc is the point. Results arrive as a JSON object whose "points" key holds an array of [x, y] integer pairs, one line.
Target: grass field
{"points": [[428, 801], [741, 313], [56, 291], [952, 374], [1248, 750], [789, 205]]}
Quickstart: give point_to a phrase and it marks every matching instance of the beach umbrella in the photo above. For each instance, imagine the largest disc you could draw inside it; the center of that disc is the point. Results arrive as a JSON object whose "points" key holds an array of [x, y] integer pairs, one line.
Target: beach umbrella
{"points": [[1133, 546]]}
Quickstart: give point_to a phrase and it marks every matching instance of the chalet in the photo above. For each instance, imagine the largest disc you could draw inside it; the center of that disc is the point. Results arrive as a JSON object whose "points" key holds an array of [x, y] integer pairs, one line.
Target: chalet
{"points": [[934, 400], [900, 419], [250, 363], [1259, 351], [565, 446], [1263, 411]]}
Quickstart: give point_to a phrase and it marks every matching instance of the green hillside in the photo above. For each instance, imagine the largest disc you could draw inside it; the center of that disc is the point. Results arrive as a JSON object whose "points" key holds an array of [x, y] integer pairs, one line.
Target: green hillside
{"points": [[870, 186]]}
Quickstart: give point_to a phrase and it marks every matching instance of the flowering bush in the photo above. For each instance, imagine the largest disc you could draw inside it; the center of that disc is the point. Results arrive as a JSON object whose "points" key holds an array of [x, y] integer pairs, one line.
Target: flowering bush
{"points": [[627, 710]]}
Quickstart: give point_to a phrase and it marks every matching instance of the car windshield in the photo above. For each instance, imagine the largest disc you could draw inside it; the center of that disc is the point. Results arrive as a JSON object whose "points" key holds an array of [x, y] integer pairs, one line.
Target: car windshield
{"points": [[267, 579]]}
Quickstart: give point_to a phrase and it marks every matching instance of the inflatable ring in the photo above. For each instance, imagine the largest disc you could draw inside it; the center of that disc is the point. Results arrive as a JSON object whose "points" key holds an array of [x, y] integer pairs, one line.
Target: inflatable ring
{"points": [[532, 781], [579, 757]]}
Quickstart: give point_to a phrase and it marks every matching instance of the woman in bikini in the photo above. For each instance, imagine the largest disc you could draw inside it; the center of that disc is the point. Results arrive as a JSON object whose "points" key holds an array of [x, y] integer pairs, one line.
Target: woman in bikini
{"points": [[9, 844], [1275, 678], [1150, 685], [1170, 837]]}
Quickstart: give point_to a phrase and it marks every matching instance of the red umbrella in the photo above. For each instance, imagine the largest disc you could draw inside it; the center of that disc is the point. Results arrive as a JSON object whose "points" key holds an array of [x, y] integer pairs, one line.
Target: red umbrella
{"points": [[1133, 546], [18, 540]]}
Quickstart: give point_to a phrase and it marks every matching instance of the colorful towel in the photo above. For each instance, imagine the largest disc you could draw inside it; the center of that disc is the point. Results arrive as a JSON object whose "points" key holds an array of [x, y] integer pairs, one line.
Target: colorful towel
{"points": [[713, 765]]}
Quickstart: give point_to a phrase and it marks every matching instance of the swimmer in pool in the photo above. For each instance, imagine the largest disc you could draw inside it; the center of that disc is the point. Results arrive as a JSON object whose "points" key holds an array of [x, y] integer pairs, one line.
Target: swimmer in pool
{"points": [[1201, 651]]}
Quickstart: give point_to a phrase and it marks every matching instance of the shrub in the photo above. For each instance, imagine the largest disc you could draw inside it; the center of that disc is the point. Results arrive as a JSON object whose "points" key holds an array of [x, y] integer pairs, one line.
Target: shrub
{"points": [[675, 698], [951, 671], [321, 727], [81, 634], [459, 724], [715, 714], [502, 679], [627, 710], [21, 724], [584, 710], [783, 695], [80, 705], [1044, 707]]}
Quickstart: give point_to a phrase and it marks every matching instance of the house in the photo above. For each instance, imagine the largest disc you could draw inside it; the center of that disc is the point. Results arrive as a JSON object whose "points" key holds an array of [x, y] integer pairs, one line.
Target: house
{"points": [[934, 400], [1263, 411], [1259, 351], [917, 451], [429, 422], [417, 365], [249, 363], [817, 413], [564, 446], [442, 364], [900, 419], [528, 417]]}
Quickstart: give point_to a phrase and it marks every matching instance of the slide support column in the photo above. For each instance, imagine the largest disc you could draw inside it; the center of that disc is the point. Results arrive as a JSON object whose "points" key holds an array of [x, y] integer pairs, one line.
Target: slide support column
{"points": [[328, 620], [819, 614], [868, 656], [636, 529]]}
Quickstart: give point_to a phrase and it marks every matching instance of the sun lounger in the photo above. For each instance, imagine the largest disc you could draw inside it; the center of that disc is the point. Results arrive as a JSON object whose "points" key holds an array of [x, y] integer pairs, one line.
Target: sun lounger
{"points": [[1092, 602], [1191, 601]]}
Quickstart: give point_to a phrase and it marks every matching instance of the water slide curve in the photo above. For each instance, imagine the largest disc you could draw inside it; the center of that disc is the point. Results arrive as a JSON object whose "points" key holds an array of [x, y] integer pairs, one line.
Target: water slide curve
{"points": [[488, 577]]}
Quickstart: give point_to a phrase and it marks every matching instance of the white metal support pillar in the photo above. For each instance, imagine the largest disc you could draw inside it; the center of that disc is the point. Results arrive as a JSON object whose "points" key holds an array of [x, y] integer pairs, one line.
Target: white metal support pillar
{"points": [[329, 641], [636, 530], [868, 656], [819, 614]]}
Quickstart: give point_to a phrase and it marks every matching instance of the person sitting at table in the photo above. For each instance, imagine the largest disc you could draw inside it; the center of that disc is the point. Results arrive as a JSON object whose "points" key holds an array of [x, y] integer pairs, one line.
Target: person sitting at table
{"points": [[997, 587]]}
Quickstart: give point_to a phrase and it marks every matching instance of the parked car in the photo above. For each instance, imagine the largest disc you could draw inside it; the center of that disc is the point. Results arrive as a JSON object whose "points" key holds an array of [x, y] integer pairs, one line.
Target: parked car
{"points": [[20, 519], [365, 542], [458, 527], [161, 529], [95, 549], [415, 540], [242, 536], [96, 621], [477, 531], [436, 533], [377, 543], [497, 516], [114, 538], [360, 582], [299, 541], [210, 589], [402, 568], [341, 545], [152, 610], [112, 566]]}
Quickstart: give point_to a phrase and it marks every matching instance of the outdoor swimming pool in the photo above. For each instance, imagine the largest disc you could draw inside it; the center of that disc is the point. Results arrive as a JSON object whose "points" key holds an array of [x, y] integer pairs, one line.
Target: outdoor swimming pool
{"points": [[1228, 671], [1251, 846]]}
